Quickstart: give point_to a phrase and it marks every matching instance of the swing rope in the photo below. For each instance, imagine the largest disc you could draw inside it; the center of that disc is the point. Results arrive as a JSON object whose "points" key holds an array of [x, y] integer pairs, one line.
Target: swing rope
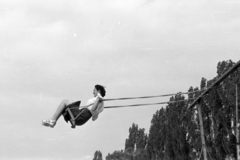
{"points": [[164, 95], [144, 97], [147, 104], [134, 105]]}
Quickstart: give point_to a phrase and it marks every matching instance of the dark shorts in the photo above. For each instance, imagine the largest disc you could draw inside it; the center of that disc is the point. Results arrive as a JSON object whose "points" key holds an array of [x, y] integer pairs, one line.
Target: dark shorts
{"points": [[82, 118]]}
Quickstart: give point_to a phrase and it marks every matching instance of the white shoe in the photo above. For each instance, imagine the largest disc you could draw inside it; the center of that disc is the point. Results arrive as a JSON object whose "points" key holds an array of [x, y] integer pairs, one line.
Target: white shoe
{"points": [[49, 122]]}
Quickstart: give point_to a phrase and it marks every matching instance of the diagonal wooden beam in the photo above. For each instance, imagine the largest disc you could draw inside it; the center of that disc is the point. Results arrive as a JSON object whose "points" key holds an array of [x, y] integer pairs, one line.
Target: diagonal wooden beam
{"points": [[225, 75]]}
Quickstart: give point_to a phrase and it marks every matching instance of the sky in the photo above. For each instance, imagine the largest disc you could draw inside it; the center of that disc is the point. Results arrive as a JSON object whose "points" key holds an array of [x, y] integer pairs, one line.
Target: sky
{"points": [[58, 49]]}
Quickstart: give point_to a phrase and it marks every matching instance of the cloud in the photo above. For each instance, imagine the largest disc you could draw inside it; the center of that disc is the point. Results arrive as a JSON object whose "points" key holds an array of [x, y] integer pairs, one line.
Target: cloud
{"points": [[51, 50], [44, 42]]}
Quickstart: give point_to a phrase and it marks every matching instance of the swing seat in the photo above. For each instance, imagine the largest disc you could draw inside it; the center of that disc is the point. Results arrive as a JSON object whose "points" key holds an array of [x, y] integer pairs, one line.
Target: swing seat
{"points": [[75, 115], [68, 113]]}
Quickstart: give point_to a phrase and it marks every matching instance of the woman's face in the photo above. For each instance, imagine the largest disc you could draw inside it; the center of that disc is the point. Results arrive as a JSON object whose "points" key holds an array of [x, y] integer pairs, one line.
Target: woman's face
{"points": [[95, 92]]}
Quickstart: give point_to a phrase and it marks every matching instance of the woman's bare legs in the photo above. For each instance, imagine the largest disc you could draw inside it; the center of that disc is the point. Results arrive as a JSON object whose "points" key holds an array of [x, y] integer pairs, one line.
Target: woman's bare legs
{"points": [[60, 109], [52, 122]]}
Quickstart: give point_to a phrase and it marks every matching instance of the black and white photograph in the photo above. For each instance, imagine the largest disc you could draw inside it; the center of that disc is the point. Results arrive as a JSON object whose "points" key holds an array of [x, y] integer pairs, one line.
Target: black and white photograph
{"points": [[119, 79]]}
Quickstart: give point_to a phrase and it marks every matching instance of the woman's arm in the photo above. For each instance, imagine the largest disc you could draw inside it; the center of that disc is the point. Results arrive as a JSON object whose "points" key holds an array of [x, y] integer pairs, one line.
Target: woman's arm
{"points": [[96, 112], [96, 103]]}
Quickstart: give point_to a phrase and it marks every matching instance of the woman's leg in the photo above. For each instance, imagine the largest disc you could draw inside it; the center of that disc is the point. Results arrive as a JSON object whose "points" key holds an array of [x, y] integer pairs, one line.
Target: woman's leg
{"points": [[60, 109]]}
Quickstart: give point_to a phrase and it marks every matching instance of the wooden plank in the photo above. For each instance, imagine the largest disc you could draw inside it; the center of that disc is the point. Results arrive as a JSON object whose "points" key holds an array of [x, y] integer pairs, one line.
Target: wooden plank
{"points": [[237, 130], [225, 75], [204, 149]]}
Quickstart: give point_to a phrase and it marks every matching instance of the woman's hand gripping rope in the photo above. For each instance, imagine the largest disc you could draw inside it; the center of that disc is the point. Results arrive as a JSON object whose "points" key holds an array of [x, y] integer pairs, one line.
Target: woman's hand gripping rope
{"points": [[100, 97]]}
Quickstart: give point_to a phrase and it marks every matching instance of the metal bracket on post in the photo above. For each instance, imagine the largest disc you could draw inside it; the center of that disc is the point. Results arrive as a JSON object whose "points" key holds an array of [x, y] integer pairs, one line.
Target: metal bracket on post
{"points": [[204, 149]]}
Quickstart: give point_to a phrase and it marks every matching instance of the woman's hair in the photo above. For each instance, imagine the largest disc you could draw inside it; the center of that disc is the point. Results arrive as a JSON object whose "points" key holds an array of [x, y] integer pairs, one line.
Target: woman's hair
{"points": [[101, 89]]}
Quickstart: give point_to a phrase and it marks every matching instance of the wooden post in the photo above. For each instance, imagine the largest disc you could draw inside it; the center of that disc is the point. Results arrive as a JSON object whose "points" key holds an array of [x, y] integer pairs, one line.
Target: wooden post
{"points": [[204, 149], [237, 131]]}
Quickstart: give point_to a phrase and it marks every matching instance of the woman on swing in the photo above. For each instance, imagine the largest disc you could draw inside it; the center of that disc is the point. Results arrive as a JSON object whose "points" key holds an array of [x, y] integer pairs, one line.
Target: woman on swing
{"points": [[94, 106]]}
